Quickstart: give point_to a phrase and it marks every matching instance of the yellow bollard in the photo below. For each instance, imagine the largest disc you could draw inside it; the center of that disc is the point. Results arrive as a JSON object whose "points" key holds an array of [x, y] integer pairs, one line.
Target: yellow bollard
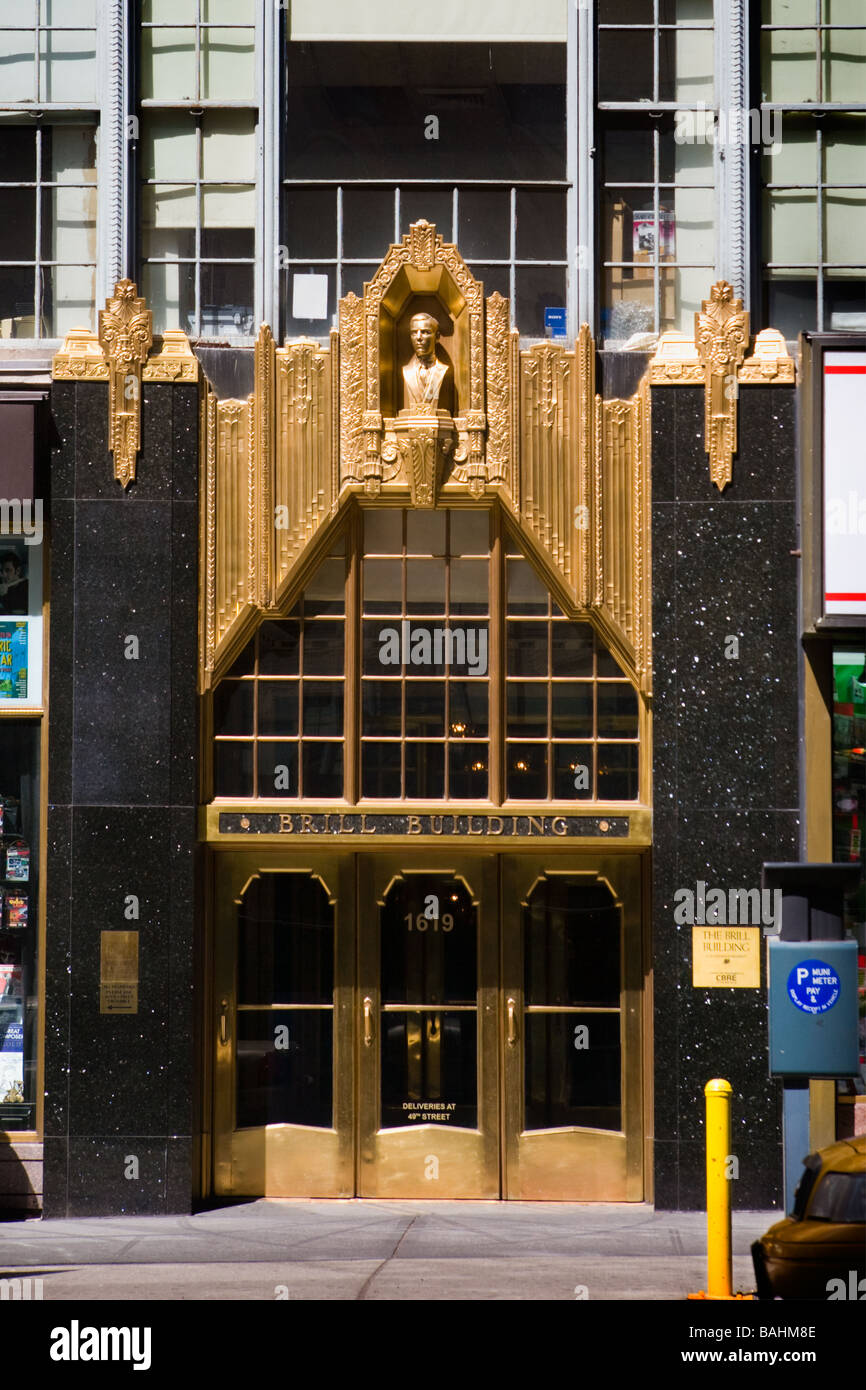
{"points": [[719, 1267]]}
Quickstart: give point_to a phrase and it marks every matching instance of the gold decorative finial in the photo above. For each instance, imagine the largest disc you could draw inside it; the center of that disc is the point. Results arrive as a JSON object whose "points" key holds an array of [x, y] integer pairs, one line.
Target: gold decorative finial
{"points": [[126, 335], [721, 338]]}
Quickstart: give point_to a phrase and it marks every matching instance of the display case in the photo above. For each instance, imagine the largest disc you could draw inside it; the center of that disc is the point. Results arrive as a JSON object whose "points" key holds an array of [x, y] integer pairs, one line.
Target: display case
{"points": [[19, 863]]}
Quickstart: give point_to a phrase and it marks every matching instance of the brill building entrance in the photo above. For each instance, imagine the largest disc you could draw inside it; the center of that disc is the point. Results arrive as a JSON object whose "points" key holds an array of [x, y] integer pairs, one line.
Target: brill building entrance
{"points": [[425, 671]]}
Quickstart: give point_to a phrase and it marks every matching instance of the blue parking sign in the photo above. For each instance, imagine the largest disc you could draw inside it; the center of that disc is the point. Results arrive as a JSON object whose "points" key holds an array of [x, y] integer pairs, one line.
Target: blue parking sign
{"points": [[813, 986]]}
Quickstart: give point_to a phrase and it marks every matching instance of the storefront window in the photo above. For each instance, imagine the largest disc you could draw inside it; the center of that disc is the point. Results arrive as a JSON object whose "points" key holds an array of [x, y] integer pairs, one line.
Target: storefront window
{"points": [[849, 795], [19, 870], [20, 623], [849, 753]]}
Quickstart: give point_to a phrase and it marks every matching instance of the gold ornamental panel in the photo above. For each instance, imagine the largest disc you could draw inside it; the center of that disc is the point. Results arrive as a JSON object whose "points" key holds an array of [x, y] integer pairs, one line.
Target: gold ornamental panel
{"points": [[423, 397]]}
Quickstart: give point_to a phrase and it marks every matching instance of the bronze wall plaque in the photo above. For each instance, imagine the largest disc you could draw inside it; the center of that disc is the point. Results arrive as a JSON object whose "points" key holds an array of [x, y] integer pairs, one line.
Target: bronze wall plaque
{"points": [[726, 957], [118, 973]]}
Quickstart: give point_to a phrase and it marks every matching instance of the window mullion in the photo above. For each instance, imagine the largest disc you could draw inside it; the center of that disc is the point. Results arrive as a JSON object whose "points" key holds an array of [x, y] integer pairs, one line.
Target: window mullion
{"points": [[269, 39], [37, 250], [199, 155]]}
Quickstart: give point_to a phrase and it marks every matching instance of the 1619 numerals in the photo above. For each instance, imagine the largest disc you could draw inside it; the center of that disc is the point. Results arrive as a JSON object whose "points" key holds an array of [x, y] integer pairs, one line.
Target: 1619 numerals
{"points": [[419, 921]]}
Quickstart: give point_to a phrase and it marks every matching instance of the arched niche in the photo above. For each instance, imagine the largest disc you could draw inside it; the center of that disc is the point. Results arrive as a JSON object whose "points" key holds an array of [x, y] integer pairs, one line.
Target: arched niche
{"points": [[431, 292]]}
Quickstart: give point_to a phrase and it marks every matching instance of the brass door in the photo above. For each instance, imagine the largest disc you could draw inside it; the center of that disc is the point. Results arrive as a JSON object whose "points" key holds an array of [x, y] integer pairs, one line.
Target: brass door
{"points": [[428, 1027], [284, 978], [571, 991]]}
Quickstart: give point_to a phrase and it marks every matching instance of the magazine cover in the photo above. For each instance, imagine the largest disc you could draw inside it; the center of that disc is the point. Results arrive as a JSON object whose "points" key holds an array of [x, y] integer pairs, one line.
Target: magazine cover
{"points": [[644, 234], [18, 862], [16, 911], [11, 984], [13, 660], [11, 1061]]}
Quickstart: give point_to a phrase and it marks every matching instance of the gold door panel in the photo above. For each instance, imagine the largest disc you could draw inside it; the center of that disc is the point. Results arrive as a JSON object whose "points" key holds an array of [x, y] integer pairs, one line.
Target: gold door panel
{"points": [[429, 1112], [284, 978], [428, 1025], [571, 987]]}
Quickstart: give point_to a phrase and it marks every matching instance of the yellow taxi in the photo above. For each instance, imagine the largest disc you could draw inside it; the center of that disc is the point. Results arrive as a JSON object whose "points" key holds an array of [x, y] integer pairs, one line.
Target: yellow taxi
{"points": [[819, 1251]]}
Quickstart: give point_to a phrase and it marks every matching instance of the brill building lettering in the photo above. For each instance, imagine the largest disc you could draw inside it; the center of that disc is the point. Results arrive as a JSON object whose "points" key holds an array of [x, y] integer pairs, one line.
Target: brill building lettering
{"points": [[343, 823]]}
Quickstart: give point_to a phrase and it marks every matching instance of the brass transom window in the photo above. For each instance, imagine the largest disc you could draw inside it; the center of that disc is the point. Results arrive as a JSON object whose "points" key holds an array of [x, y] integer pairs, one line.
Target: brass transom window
{"points": [[470, 682]]}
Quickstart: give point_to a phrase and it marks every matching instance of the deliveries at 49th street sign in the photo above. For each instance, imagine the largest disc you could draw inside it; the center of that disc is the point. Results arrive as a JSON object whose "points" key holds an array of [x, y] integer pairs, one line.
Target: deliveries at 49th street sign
{"points": [[726, 957]]}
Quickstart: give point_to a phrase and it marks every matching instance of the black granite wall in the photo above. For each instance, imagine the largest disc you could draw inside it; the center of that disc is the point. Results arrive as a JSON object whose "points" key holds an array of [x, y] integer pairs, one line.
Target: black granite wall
{"points": [[122, 795], [725, 762]]}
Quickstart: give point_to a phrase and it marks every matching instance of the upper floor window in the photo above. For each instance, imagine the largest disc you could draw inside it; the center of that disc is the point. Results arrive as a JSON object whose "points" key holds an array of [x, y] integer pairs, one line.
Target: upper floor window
{"points": [[657, 201], [48, 179], [199, 220], [198, 165], [48, 52], [197, 51], [813, 67], [469, 136], [48, 229]]}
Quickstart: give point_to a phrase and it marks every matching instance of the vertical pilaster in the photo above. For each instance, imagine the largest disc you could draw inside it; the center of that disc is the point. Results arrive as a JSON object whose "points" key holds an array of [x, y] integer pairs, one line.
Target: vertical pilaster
{"points": [[732, 146], [114, 143], [269, 39], [581, 164]]}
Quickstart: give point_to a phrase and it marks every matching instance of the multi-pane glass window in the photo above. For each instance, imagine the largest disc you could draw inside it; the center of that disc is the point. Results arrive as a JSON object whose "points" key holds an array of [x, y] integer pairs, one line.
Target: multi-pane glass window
{"points": [[425, 665], [278, 715], [571, 717], [471, 683], [469, 136], [813, 64], [198, 165], [199, 220], [47, 229], [813, 51], [198, 50], [815, 223], [655, 91], [48, 52]]}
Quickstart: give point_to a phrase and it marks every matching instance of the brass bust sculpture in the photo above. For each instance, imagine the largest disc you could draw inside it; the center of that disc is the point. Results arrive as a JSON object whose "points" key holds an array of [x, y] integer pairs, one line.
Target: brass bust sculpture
{"points": [[428, 384]]}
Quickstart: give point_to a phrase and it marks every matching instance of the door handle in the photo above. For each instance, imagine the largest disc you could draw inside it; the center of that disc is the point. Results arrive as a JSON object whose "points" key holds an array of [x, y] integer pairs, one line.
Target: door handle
{"points": [[224, 1022], [511, 1008], [368, 1021]]}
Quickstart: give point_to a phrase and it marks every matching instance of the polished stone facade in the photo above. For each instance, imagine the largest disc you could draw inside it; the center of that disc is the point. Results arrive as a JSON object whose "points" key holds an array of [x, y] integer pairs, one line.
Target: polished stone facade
{"points": [[725, 758], [122, 786], [122, 794]]}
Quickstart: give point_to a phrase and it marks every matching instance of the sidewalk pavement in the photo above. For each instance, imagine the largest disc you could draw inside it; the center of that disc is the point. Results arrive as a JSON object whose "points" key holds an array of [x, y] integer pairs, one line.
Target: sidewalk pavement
{"points": [[396, 1251]]}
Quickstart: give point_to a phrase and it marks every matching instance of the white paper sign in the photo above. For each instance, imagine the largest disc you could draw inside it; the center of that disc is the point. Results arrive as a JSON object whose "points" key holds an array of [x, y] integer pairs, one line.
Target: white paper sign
{"points": [[309, 296], [844, 483]]}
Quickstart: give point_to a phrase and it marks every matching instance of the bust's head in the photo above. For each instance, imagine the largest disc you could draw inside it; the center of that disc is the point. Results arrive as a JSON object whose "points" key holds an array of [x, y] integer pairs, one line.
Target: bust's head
{"points": [[424, 333]]}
